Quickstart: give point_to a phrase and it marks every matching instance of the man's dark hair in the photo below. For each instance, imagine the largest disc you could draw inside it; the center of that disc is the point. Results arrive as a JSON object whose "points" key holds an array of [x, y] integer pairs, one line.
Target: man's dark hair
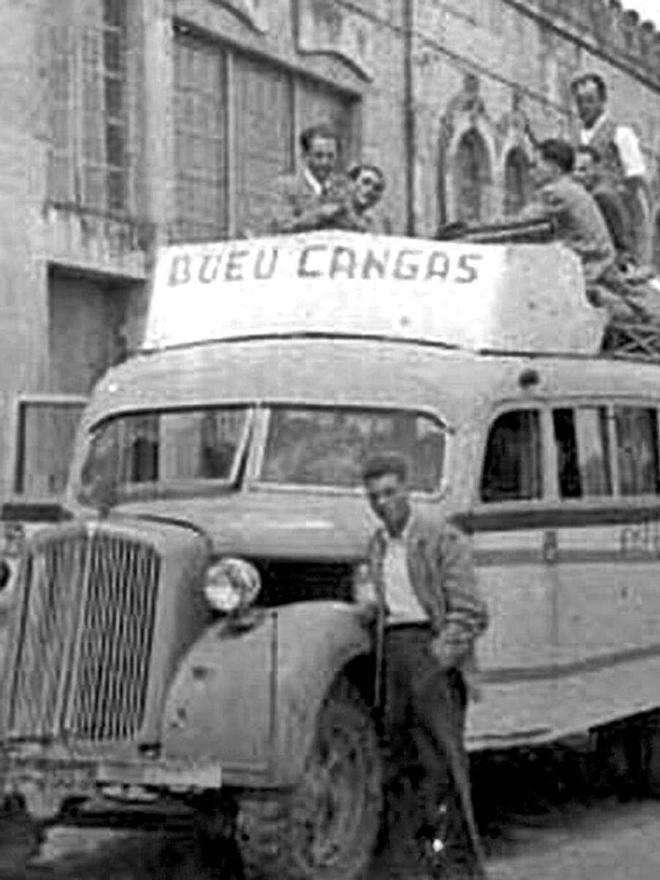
{"points": [[558, 151], [355, 170], [589, 150], [596, 79], [382, 463], [317, 131]]}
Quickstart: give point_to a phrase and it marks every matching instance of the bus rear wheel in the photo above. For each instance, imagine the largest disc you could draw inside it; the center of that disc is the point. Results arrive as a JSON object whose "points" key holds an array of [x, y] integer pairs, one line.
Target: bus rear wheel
{"points": [[651, 736], [326, 828], [20, 839]]}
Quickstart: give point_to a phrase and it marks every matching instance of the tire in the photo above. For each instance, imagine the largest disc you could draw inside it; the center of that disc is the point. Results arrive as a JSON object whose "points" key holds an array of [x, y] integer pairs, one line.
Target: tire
{"points": [[629, 754], [652, 756], [326, 828], [20, 840]]}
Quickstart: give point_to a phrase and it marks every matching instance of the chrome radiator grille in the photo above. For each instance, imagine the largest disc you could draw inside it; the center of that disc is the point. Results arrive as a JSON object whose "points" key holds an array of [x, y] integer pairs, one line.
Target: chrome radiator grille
{"points": [[84, 637]]}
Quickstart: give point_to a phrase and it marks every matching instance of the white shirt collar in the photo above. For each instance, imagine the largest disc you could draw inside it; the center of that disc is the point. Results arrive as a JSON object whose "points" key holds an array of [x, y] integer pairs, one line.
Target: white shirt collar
{"points": [[589, 133], [315, 184]]}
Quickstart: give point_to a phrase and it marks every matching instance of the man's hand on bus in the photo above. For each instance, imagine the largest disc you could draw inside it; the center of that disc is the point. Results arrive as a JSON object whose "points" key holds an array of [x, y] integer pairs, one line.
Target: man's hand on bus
{"points": [[368, 613], [448, 655]]}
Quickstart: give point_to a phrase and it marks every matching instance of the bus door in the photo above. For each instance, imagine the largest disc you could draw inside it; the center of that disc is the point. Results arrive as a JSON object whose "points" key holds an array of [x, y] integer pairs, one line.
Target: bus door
{"points": [[607, 558], [517, 576]]}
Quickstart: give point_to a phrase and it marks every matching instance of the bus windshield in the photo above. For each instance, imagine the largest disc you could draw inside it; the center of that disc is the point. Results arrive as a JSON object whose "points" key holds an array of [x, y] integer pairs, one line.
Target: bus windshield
{"points": [[159, 453], [327, 446], [147, 454]]}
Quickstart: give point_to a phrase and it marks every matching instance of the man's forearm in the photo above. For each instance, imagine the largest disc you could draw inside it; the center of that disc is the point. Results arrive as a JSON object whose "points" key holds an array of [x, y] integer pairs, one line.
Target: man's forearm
{"points": [[309, 220], [463, 625], [466, 615]]}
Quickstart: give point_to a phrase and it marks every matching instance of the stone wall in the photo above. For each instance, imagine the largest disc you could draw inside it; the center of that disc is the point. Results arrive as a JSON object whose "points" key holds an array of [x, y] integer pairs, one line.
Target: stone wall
{"points": [[492, 64], [426, 74]]}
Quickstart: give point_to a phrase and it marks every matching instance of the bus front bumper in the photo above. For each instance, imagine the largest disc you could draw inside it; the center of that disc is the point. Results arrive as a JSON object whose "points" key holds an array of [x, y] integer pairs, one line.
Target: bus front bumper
{"points": [[46, 779]]}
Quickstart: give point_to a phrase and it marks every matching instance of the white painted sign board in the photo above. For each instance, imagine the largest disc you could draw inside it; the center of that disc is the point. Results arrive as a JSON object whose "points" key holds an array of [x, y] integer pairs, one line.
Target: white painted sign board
{"points": [[505, 297]]}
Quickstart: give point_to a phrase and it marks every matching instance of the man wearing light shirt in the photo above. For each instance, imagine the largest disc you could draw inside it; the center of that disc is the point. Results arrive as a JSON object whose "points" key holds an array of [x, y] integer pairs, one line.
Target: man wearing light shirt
{"points": [[622, 159], [422, 579]]}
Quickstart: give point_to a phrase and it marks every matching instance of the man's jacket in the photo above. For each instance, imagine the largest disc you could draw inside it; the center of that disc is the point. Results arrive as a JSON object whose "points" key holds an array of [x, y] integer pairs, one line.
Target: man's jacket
{"points": [[442, 575], [616, 215], [578, 223], [294, 203]]}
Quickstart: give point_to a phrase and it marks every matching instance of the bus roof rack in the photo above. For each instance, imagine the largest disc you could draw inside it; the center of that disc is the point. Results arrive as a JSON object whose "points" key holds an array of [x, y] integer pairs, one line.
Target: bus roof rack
{"points": [[632, 341], [624, 340], [515, 232]]}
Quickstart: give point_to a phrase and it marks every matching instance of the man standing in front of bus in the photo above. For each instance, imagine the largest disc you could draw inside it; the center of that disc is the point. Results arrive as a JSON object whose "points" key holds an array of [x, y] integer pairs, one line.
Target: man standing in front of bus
{"points": [[423, 589]]}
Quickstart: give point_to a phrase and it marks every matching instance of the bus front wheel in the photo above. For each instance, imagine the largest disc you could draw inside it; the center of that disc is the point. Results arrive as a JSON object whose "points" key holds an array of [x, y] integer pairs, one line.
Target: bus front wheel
{"points": [[326, 829]]}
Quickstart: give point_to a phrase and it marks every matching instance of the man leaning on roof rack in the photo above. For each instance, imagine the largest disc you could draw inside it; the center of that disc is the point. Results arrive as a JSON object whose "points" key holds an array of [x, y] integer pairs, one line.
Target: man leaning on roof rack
{"points": [[319, 196]]}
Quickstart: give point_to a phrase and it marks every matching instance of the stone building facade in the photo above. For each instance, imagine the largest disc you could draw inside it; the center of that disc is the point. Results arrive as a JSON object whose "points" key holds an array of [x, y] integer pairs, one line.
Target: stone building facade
{"points": [[131, 123]]}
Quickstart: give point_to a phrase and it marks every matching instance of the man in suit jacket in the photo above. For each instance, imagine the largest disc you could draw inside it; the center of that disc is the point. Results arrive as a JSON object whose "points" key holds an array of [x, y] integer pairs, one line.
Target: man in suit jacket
{"points": [[314, 196], [422, 579]]}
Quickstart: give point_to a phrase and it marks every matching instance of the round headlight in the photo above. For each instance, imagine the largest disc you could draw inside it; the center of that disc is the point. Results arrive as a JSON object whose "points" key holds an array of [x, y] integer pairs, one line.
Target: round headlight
{"points": [[231, 585]]}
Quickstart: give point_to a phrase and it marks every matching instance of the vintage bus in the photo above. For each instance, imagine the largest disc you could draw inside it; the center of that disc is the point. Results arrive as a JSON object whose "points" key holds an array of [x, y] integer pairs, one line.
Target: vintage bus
{"points": [[185, 632]]}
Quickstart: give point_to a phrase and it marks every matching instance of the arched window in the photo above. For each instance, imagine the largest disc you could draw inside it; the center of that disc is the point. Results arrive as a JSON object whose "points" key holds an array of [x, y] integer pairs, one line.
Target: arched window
{"points": [[516, 181], [472, 177]]}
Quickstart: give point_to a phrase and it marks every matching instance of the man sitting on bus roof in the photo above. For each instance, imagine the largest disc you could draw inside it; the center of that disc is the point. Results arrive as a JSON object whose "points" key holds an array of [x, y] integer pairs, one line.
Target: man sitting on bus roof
{"points": [[580, 225], [577, 219], [589, 172]]}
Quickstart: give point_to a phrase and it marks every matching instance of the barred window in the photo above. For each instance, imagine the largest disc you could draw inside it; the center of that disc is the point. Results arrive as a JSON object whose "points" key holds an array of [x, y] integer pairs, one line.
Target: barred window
{"points": [[46, 430], [264, 114], [90, 80], [200, 139], [236, 125]]}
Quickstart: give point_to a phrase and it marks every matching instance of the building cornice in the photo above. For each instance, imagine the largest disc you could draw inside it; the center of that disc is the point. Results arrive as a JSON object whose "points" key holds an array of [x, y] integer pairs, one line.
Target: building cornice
{"points": [[605, 29]]}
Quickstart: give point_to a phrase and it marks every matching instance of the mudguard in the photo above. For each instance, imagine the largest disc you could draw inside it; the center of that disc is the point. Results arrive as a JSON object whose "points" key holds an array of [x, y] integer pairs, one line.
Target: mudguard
{"points": [[249, 699]]}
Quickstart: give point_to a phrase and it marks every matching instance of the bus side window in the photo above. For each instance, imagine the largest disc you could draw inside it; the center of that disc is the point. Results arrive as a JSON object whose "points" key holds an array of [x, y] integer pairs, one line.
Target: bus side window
{"points": [[513, 466], [637, 450], [583, 456]]}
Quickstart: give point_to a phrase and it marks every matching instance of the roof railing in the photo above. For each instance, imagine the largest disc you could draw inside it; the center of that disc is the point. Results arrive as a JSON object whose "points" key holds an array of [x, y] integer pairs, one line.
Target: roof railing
{"points": [[514, 232], [632, 341], [637, 341]]}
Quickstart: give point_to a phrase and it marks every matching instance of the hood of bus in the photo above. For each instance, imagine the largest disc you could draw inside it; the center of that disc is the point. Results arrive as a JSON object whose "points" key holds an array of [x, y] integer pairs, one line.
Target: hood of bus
{"points": [[274, 524]]}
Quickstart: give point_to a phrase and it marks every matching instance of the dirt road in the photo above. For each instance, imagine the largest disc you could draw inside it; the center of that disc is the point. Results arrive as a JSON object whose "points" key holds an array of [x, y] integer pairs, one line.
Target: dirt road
{"points": [[541, 820]]}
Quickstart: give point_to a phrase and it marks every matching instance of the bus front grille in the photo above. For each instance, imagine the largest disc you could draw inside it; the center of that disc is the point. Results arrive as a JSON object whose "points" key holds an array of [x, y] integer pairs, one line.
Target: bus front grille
{"points": [[84, 637]]}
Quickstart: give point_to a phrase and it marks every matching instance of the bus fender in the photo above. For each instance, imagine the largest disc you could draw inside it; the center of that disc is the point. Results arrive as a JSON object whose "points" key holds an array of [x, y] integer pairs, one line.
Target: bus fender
{"points": [[249, 700]]}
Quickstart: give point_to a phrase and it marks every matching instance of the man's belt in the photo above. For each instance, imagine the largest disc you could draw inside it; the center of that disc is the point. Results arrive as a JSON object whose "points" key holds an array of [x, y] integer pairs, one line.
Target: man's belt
{"points": [[413, 626]]}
